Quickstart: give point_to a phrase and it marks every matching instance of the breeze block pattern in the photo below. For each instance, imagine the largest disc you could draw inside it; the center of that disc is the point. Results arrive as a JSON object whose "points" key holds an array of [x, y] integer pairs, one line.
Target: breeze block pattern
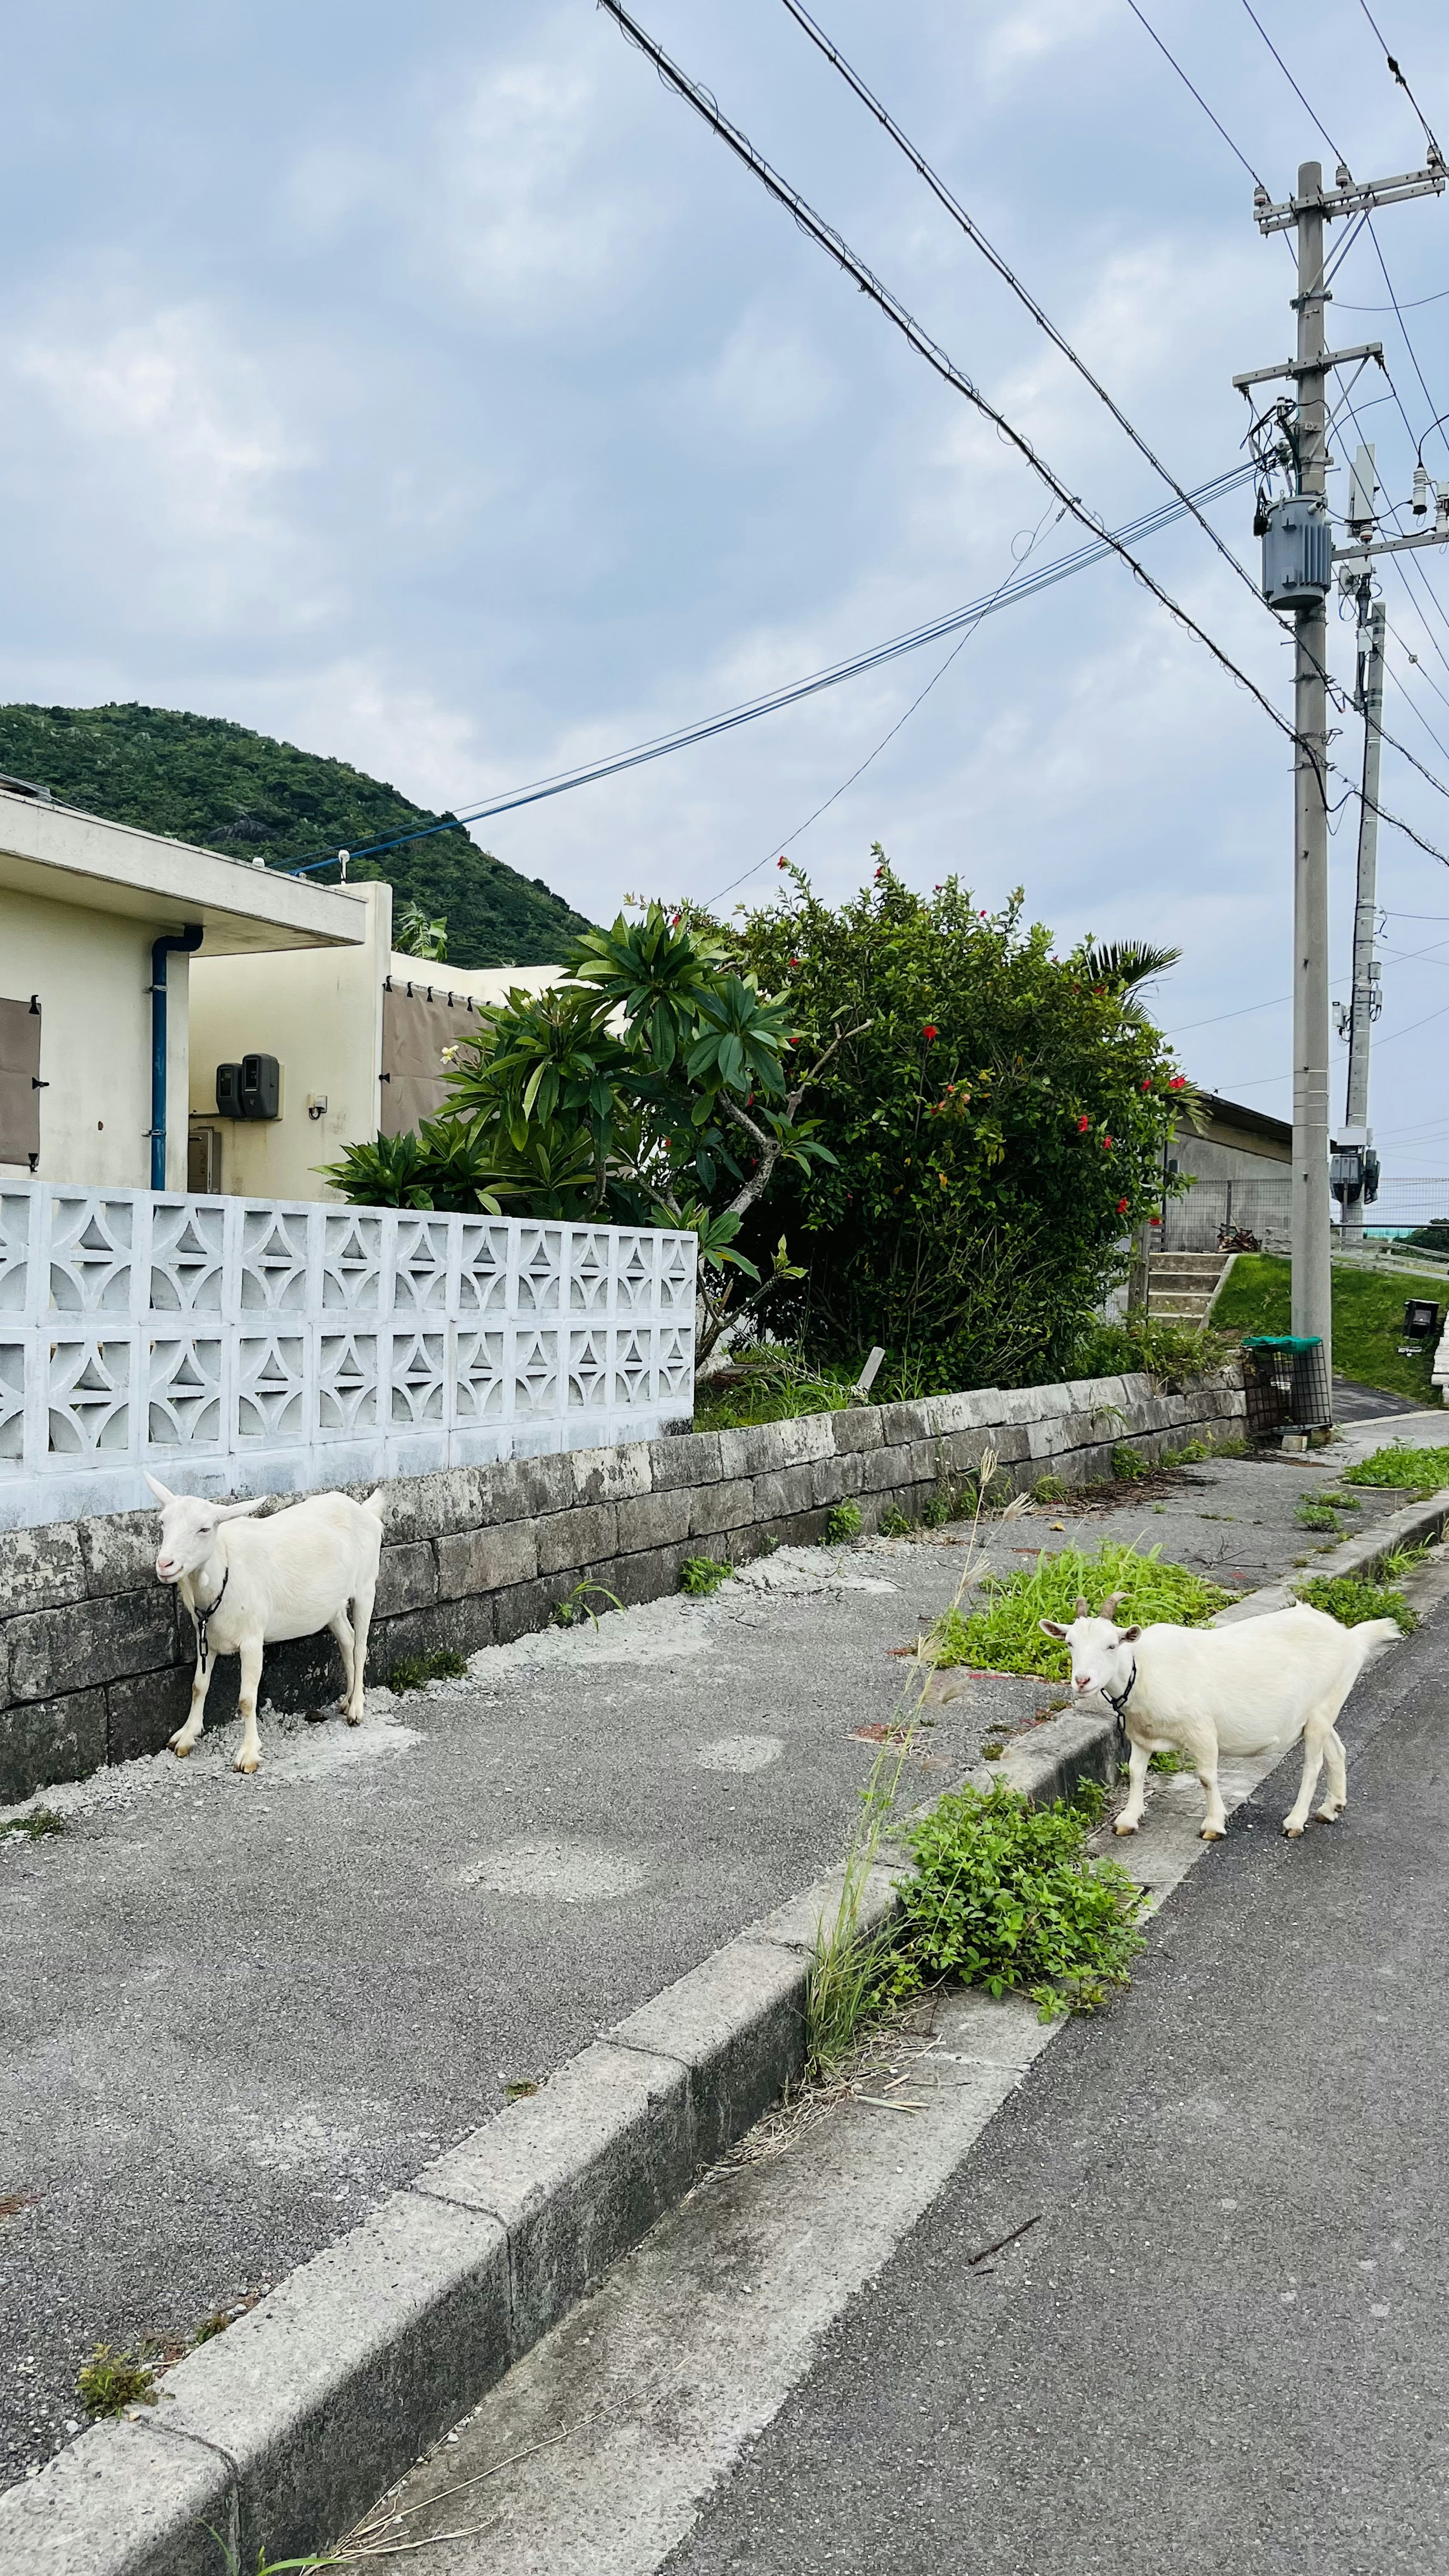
{"points": [[242, 1347], [96, 1656]]}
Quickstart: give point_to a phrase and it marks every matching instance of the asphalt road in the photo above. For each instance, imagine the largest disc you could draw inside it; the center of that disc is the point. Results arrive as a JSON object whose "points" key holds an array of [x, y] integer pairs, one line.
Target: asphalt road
{"points": [[1224, 2342]]}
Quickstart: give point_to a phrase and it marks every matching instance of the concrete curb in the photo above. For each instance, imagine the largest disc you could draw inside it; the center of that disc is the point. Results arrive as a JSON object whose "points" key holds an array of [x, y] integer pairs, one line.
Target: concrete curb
{"points": [[1363, 1554], [280, 2433]]}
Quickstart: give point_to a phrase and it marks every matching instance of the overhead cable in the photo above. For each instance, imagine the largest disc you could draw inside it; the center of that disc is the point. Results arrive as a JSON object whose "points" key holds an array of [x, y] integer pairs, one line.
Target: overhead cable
{"points": [[947, 198], [1429, 135]]}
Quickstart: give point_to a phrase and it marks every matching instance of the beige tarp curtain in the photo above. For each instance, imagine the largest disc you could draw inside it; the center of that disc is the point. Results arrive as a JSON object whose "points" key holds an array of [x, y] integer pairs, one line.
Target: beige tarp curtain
{"points": [[418, 1021]]}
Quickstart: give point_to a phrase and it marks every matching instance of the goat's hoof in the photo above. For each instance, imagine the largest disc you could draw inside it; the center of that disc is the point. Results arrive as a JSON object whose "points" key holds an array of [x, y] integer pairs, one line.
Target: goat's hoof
{"points": [[241, 1764], [1213, 1834], [1293, 1832], [1124, 1829], [1330, 1814], [180, 1747], [354, 1718]]}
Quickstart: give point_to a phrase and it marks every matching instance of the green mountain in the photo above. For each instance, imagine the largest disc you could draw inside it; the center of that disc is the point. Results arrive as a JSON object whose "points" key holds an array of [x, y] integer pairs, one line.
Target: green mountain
{"points": [[202, 779]]}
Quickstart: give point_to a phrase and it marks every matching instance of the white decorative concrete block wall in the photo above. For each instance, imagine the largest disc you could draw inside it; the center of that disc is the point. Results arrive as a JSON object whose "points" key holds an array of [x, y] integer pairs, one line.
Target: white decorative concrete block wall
{"points": [[238, 1347]]}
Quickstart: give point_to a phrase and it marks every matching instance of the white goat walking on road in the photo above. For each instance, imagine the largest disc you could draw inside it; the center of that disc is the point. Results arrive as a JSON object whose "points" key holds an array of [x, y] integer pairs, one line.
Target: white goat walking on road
{"points": [[1254, 1687], [249, 1583]]}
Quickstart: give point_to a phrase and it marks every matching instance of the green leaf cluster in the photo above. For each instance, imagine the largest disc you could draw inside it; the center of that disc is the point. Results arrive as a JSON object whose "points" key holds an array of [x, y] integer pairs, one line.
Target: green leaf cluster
{"points": [[1004, 1634], [995, 1115], [1419, 1471], [1006, 1896], [1351, 1599]]}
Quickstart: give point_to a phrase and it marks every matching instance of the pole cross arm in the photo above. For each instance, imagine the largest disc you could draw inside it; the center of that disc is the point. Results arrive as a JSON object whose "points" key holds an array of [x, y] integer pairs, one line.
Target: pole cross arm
{"points": [[1309, 366], [1395, 545], [1359, 198]]}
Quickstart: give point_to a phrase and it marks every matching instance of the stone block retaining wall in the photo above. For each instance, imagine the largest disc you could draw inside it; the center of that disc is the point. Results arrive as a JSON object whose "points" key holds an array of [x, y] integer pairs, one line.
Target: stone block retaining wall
{"points": [[96, 1656]]}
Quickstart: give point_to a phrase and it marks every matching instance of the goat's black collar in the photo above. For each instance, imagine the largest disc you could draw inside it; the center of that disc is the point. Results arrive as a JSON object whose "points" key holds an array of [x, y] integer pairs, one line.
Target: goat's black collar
{"points": [[1117, 1700], [203, 1617]]}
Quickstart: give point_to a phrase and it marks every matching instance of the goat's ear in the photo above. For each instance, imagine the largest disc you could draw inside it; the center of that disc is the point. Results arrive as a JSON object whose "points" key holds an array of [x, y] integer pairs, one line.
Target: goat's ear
{"points": [[234, 1511], [1081, 1609], [1051, 1627], [1130, 1636], [162, 1492]]}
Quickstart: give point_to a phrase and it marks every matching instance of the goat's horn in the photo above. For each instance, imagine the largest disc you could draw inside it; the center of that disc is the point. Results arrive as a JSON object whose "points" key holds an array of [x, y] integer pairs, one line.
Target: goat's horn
{"points": [[1110, 1604], [1081, 1610]]}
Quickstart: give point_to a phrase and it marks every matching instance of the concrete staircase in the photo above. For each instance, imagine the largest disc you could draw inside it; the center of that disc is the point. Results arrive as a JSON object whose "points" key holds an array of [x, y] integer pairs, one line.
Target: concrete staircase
{"points": [[1182, 1285]]}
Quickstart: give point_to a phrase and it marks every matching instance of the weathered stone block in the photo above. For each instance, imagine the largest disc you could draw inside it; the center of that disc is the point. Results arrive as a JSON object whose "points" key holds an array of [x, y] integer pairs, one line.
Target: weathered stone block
{"points": [[91, 1641], [118, 1550], [546, 1483], [348, 2369], [51, 1739], [652, 1520], [882, 1471], [407, 1579], [611, 1475], [574, 1537], [40, 1568], [692, 1459], [804, 1437], [416, 1508], [831, 1479], [737, 2025], [923, 1460], [722, 1507], [143, 1714], [524, 1608], [576, 2175], [902, 1423], [484, 1560], [857, 1427], [739, 1449], [446, 1627], [125, 2500], [790, 1489]]}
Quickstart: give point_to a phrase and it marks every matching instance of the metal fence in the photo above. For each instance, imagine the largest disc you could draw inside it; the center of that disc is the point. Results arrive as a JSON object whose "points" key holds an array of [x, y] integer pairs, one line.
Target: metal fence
{"points": [[258, 1347], [1402, 1210]]}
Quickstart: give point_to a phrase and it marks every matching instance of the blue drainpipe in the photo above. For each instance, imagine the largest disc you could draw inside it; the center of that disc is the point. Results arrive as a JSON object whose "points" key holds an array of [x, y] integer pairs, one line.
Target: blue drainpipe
{"points": [[190, 938]]}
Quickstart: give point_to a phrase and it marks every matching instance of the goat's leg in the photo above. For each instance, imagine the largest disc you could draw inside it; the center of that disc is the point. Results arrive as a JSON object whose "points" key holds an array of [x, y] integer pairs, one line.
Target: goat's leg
{"points": [[1200, 1744], [1131, 1816], [1315, 1733], [250, 1756], [361, 1622], [185, 1737], [341, 1628], [1335, 1763]]}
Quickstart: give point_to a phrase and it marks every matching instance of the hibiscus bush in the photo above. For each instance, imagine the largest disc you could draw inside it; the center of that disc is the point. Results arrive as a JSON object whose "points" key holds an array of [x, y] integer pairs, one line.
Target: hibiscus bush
{"points": [[995, 1115]]}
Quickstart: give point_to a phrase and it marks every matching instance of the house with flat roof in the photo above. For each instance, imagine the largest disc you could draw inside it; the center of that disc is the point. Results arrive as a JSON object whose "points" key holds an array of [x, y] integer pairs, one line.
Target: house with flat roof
{"points": [[99, 928]]}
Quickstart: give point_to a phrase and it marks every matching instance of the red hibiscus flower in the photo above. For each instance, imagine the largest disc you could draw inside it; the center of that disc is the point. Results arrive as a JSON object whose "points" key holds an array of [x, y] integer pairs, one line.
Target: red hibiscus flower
{"points": [[929, 1031], [1178, 1082], [1083, 1123], [1121, 1207]]}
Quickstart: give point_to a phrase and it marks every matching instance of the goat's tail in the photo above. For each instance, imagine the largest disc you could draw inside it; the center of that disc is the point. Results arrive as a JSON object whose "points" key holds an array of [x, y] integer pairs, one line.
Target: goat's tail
{"points": [[373, 1504], [1371, 1636]]}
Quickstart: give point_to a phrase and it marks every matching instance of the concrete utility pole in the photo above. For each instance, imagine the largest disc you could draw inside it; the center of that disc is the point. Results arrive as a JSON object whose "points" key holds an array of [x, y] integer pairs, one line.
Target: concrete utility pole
{"points": [[1363, 1008], [1298, 573]]}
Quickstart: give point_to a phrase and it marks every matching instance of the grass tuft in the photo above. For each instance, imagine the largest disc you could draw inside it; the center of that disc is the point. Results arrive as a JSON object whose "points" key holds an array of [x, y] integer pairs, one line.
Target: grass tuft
{"points": [[576, 1606], [1419, 1471], [40, 1822], [701, 1575], [843, 1524], [1351, 1598], [893, 1522], [416, 1671], [111, 2381], [1003, 1635], [1315, 1514], [1128, 1464]]}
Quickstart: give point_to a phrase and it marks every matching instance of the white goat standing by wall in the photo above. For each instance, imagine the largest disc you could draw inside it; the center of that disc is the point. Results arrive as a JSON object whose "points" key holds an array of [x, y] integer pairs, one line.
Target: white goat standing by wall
{"points": [[248, 1584], [1254, 1687]]}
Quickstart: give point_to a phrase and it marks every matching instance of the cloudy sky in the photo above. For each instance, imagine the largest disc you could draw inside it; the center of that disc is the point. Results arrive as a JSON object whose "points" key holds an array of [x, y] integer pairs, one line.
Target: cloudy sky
{"points": [[430, 388]]}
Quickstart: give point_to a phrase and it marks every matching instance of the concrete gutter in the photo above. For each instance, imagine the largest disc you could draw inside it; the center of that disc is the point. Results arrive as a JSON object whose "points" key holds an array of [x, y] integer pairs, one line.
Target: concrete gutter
{"points": [[279, 2434]]}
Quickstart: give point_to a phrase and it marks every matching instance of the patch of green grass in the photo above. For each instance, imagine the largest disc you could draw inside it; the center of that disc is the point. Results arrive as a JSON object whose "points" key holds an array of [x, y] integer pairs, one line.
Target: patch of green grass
{"points": [[1312, 1513], [1418, 1471], [1007, 1897], [1128, 1464], [40, 1822], [111, 2381], [1368, 1318], [1351, 1598], [770, 1384], [893, 1522], [578, 1604], [1188, 1455], [1004, 1636], [416, 1671], [701, 1575], [844, 1523], [1334, 1503], [1169, 1352], [1050, 1489]]}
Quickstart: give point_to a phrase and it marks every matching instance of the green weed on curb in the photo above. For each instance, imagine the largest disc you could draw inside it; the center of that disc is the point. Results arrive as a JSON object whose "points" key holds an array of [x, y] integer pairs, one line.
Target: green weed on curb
{"points": [[40, 1822], [416, 1671], [843, 1524], [110, 2381], [577, 1605], [1419, 1471], [1350, 1599]]}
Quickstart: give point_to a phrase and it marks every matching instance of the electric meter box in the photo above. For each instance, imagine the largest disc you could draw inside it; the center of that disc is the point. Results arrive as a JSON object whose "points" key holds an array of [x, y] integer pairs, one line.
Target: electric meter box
{"points": [[1297, 553], [251, 1089]]}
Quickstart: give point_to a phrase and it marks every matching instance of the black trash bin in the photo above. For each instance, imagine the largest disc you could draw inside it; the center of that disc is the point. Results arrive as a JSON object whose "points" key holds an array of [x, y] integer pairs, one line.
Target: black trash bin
{"points": [[1286, 1384]]}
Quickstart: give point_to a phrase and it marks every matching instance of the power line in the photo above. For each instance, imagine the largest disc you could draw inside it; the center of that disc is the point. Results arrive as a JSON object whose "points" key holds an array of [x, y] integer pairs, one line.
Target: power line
{"points": [[1429, 135], [826, 238], [849, 782], [947, 198], [1237, 153], [1022, 586], [1310, 113]]}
